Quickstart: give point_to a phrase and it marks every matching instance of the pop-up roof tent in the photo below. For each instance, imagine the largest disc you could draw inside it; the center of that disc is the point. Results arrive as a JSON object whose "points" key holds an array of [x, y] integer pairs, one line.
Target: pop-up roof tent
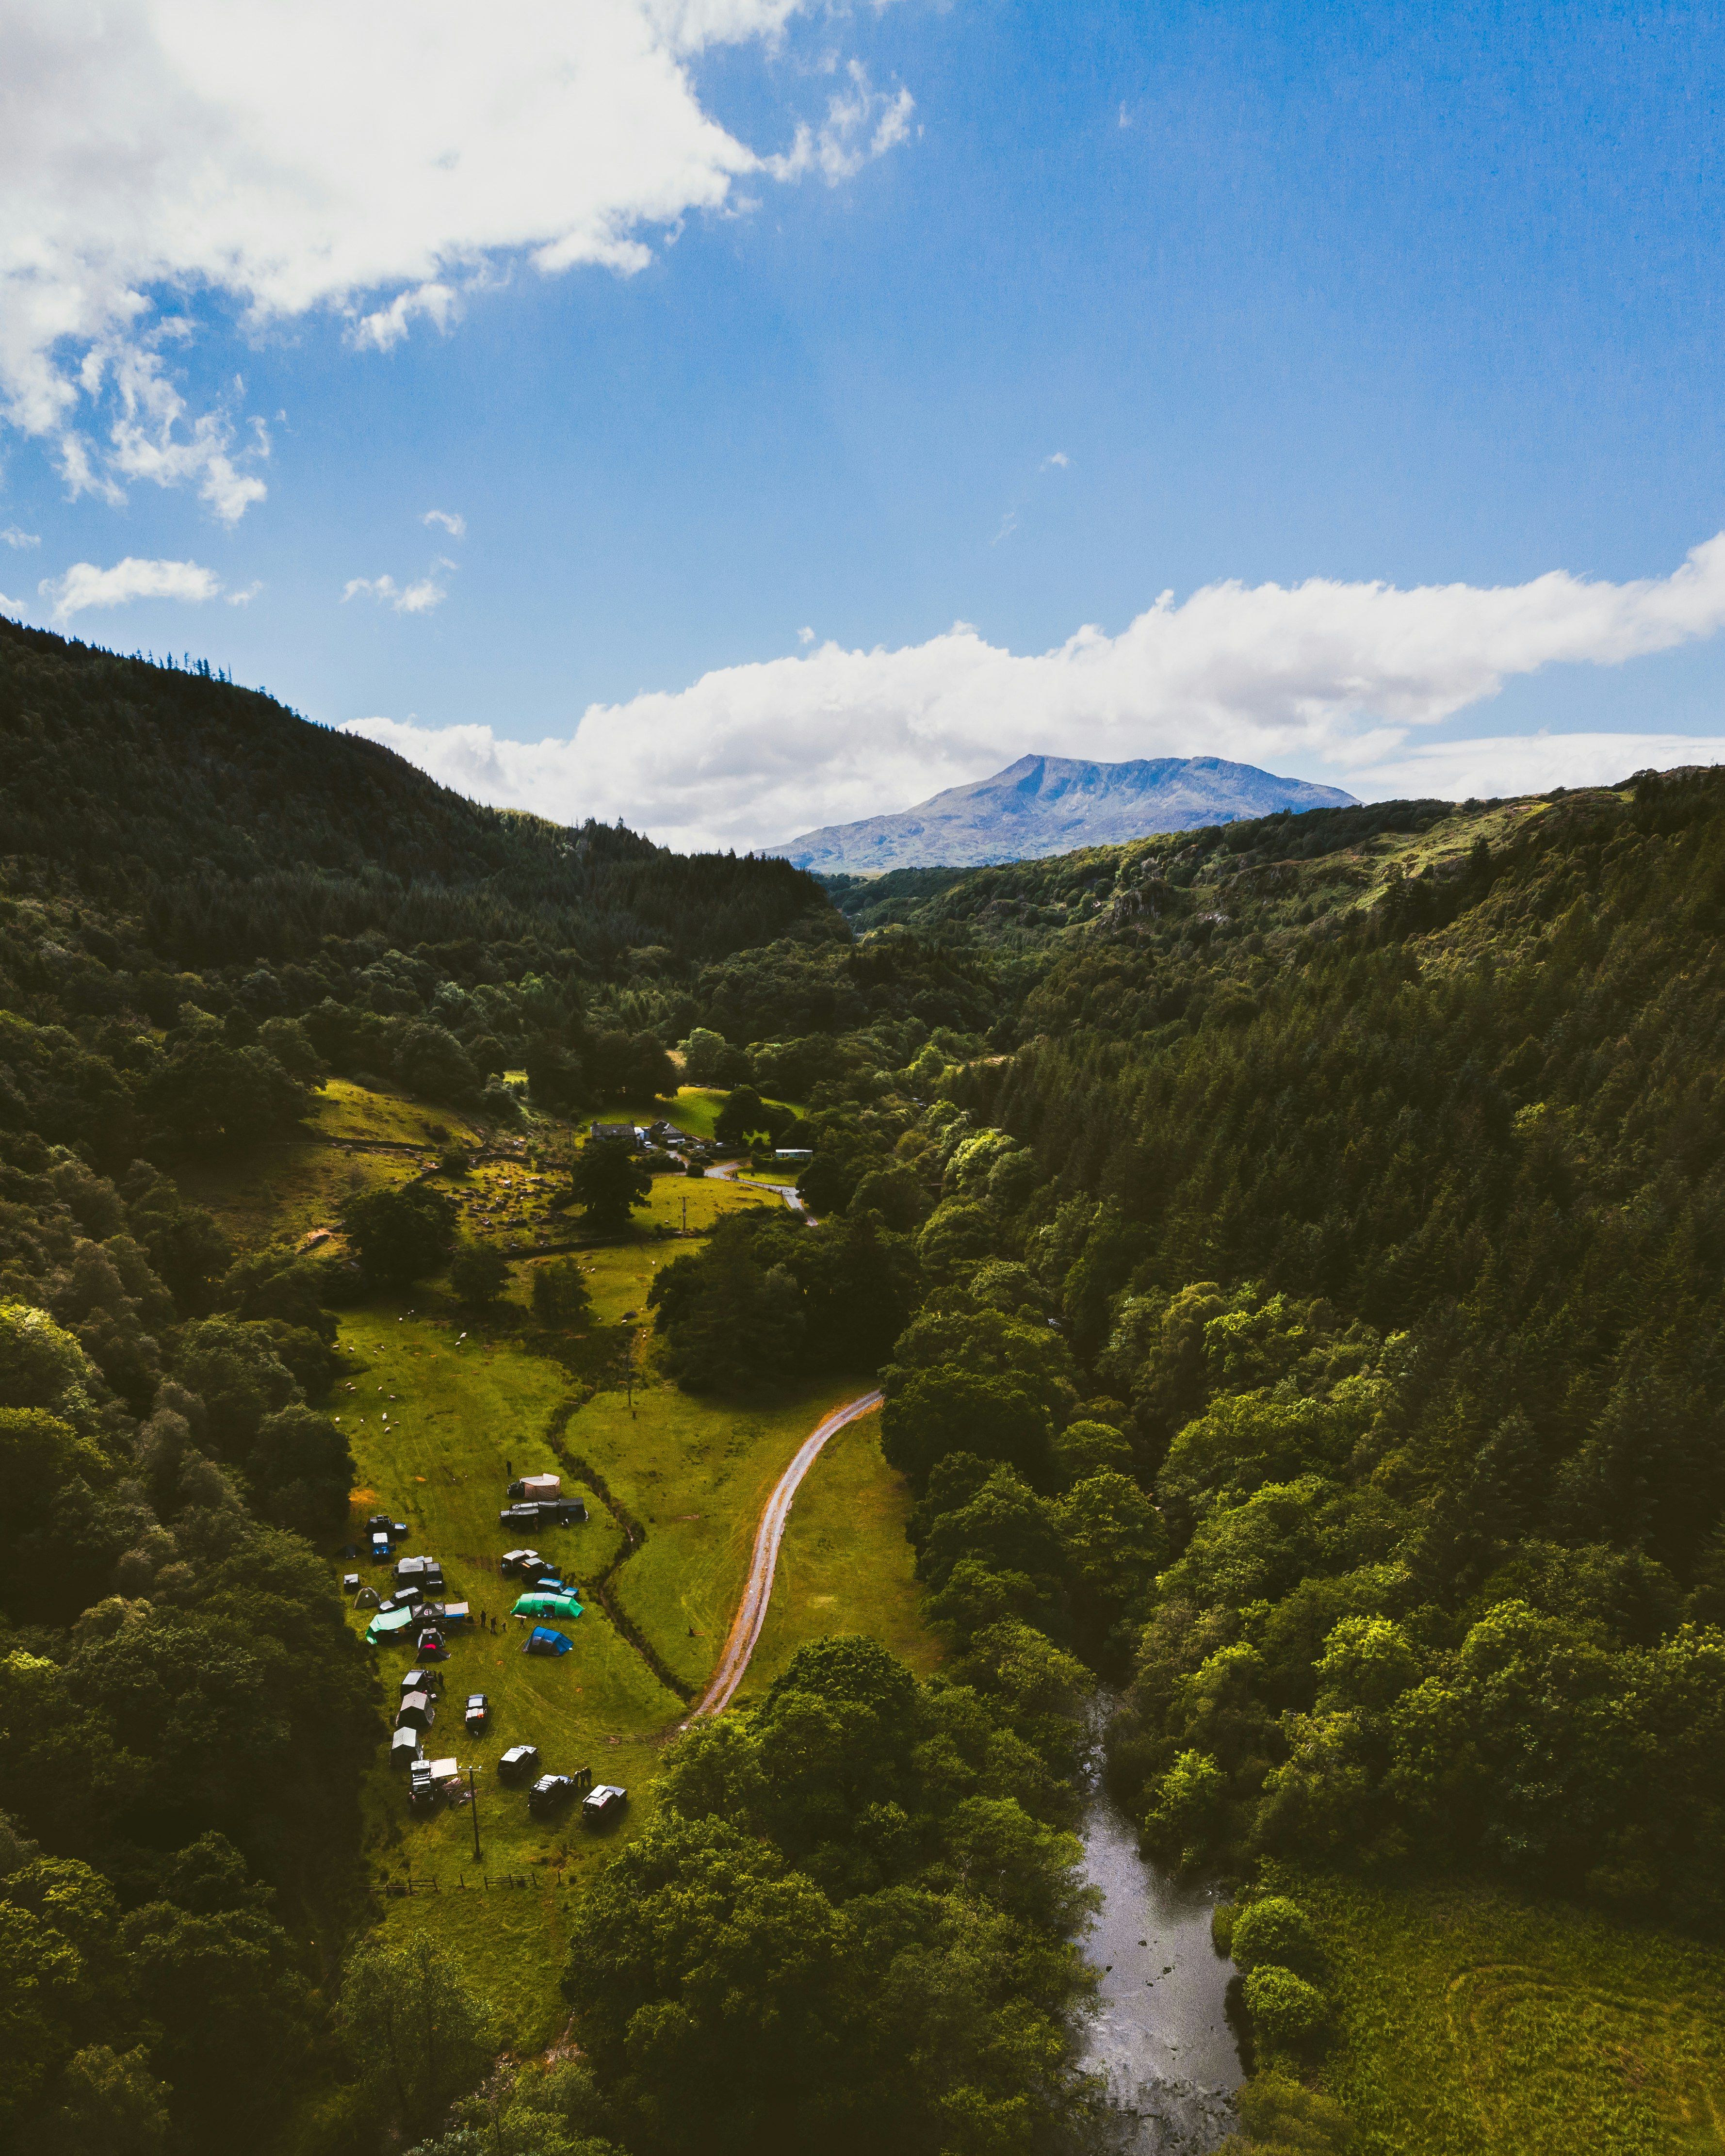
{"points": [[547, 1605], [543, 1641]]}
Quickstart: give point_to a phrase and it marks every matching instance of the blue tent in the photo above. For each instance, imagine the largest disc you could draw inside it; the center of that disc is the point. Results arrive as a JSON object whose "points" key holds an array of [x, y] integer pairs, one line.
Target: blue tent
{"points": [[543, 1641]]}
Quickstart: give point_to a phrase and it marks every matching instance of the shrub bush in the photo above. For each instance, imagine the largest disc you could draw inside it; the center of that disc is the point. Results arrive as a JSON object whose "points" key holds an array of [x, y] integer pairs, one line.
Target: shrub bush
{"points": [[1288, 2014], [1276, 1931]]}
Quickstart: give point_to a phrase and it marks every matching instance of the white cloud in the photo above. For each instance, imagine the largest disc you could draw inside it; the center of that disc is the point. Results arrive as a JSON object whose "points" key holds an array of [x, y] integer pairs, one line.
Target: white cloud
{"points": [[805, 636], [1528, 764], [1059, 458], [15, 538], [377, 159], [420, 597], [84, 585], [1326, 678], [244, 598], [862, 124], [454, 523]]}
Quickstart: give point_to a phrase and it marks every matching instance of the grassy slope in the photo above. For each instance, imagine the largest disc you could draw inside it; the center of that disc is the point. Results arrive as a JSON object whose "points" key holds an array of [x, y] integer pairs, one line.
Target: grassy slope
{"points": [[1476, 2025], [279, 1193]]}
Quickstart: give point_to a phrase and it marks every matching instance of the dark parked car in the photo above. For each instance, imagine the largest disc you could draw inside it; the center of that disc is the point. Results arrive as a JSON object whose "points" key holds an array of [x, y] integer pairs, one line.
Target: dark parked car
{"points": [[478, 1715], [518, 1762], [602, 1804], [550, 1793]]}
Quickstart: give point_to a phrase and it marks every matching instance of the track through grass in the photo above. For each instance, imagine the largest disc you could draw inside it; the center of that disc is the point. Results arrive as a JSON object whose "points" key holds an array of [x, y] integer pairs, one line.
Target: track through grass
{"points": [[1476, 2025]]}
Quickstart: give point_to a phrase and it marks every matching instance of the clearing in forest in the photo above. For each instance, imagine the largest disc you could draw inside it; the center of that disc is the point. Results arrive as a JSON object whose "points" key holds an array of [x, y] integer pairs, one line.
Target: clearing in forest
{"points": [[1476, 2024], [694, 1476]]}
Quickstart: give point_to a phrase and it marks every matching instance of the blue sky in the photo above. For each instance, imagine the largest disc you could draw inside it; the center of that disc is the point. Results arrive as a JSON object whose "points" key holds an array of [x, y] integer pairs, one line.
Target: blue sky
{"points": [[1088, 305]]}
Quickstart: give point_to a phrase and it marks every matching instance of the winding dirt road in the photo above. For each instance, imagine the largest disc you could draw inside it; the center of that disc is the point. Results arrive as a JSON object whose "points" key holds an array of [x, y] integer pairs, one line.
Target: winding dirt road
{"points": [[769, 1533]]}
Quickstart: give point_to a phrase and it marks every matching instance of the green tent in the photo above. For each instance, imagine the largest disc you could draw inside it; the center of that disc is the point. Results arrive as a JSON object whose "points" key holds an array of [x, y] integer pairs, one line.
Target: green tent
{"points": [[386, 1621], [547, 1605]]}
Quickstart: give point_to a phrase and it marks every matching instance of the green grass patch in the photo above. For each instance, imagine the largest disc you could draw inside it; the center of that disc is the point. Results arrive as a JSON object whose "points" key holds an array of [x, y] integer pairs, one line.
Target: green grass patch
{"points": [[1473, 2023], [344, 1110], [461, 1413], [844, 1565], [695, 1110], [464, 1411], [696, 1473]]}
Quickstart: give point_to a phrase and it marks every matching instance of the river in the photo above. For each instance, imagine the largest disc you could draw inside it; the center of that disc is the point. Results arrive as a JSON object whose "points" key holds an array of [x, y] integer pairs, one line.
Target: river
{"points": [[1162, 2037]]}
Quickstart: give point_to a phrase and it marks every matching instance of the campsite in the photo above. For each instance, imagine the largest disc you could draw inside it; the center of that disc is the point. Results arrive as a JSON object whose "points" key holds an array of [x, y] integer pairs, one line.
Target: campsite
{"points": [[477, 1402]]}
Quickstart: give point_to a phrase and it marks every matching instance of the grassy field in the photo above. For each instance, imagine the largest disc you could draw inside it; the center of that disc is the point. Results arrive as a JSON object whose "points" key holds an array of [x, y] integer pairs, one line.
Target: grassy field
{"points": [[696, 1475], [470, 1398], [1474, 2024], [844, 1565]]}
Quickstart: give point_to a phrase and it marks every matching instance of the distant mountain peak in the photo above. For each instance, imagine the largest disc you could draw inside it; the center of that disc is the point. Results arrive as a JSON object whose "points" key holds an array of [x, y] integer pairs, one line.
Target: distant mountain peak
{"points": [[1054, 804]]}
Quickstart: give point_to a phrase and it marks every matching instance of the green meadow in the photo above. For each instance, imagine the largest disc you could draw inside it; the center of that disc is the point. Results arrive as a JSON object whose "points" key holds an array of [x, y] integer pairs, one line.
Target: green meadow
{"points": [[1473, 2023], [472, 1396], [844, 1565]]}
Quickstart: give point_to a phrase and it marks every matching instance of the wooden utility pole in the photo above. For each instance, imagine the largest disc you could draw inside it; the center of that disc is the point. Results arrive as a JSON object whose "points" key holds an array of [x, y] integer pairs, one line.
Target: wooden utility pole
{"points": [[473, 1803]]}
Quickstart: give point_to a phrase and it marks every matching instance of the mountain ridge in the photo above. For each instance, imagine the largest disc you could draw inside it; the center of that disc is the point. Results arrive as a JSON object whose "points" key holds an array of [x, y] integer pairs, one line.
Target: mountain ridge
{"points": [[1049, 804]]}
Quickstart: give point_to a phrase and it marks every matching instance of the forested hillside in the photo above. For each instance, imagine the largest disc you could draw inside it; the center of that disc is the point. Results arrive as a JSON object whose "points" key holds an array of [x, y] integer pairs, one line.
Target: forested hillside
{"points": [[1384, 1188], [231, 830], [1291, 1252]]}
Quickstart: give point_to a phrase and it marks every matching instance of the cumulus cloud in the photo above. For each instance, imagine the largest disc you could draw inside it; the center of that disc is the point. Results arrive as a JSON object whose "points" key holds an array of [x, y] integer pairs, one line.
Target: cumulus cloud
{"points": [[375, 160], [16, 538], [1058, 458], [1323, 678], [85, 586], [454, 525], [420, 597]]}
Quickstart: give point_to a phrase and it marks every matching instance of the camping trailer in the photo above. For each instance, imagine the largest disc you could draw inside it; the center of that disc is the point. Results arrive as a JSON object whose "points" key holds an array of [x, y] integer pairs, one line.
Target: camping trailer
{"points": [[602, 1804]]}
